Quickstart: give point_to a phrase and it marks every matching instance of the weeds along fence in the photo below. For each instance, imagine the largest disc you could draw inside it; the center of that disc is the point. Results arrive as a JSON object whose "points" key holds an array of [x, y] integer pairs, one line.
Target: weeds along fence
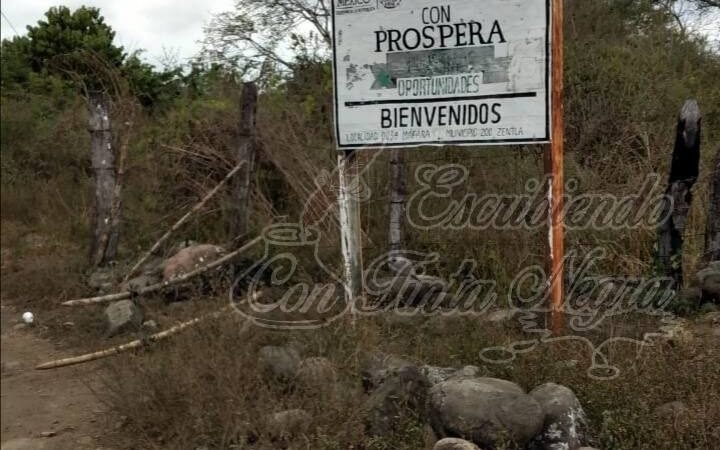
{"points": [[176, 158], [296, 181]]}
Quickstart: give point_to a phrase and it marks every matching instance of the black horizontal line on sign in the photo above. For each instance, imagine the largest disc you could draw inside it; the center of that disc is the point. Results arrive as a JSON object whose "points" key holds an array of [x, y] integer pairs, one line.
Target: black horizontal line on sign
{"points": [[443, 99]]}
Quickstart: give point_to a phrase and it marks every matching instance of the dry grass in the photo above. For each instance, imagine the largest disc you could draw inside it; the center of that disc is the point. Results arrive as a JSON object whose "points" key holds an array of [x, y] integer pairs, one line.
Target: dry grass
{"points": [[205, 389]]}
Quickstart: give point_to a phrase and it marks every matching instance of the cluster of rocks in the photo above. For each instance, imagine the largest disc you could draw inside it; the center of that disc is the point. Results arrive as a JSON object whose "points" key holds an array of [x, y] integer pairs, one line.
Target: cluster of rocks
{"points": [[462, 409], [126, 315]]}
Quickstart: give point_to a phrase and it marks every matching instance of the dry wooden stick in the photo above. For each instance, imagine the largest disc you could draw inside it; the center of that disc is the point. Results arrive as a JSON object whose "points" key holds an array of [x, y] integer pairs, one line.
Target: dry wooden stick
{"points": [[129, 345], [163, 284], [182, 220]]}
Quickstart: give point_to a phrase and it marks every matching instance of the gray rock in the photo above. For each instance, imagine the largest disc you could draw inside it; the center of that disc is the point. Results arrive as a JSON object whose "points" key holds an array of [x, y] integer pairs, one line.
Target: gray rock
{"points": [[102, 279], [139, 282], [672, 411], [486, 411], [377, 366], [317, 372], [709, 281], [289, 423], [150, 326], [437, 375], [454, 444], [565, 424], [122, 316], [402, 391], [281, 362]]}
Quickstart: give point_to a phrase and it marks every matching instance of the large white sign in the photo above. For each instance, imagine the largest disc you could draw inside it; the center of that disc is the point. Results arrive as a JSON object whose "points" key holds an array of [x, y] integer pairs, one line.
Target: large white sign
{"points": [[446, 72]]}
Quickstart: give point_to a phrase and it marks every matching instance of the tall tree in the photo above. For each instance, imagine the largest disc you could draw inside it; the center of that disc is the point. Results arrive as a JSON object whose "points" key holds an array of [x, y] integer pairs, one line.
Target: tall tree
{"points": [[78, 47], [257, 31]]}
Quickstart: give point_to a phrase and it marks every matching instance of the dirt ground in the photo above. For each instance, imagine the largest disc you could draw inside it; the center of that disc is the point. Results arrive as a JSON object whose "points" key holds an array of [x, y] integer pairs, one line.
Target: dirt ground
{"points": [[53, 409]]}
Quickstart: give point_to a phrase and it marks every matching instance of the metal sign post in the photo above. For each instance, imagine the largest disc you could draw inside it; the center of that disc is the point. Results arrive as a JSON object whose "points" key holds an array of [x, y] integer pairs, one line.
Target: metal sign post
{"points": [[350, 236], [410, 73]]}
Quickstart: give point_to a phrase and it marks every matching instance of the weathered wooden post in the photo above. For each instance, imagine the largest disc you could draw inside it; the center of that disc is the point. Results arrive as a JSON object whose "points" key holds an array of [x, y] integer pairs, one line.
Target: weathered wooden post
{"points": [[712, 234], [398, 199], [104, 240], [245, 153], [678, 196]]}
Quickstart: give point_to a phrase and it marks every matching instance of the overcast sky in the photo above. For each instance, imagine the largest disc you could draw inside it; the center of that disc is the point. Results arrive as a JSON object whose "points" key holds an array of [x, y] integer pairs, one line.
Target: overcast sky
{"points": [[163, 27], [153, 25]]}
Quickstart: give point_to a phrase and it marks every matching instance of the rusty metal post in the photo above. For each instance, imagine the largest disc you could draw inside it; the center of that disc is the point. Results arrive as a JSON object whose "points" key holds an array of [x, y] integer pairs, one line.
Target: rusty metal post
{"points": [[554, 168]]}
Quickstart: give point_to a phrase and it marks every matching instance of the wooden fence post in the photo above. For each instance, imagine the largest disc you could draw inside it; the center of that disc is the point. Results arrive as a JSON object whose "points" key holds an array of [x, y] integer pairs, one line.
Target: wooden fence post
{"points": [[712, 235], [350, 233], [398, 198], [245, 153], [104, 240], [678, 196]]}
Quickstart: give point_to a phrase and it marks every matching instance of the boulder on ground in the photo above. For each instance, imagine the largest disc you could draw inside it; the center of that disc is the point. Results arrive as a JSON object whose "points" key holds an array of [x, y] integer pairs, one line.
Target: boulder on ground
{"points": [[565, 424], [486, 411], [139, 282], [454, 444], [709, 281], [672, 411], [437, 375], [317, 372], [189, 259], [288, 424], [122, 316], [281, 362]]}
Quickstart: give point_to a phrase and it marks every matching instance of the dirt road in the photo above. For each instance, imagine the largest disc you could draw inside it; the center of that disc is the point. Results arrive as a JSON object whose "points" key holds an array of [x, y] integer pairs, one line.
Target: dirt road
{"points": [[44, 410]]}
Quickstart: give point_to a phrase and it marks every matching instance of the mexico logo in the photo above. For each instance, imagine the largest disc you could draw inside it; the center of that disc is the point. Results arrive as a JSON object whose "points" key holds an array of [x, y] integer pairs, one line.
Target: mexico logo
{"points": [[355, 4], [390, 4]]}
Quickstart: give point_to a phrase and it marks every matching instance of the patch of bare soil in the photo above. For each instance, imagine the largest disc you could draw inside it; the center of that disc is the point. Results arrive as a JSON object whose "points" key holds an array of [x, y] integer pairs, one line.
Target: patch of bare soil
{"points": [[54, 409]]}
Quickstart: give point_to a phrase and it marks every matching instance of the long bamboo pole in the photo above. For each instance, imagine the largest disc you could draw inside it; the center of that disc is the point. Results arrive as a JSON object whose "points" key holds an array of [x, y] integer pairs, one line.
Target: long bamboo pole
{"points": [[182, 220], [64, 362], [163, 284]]}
